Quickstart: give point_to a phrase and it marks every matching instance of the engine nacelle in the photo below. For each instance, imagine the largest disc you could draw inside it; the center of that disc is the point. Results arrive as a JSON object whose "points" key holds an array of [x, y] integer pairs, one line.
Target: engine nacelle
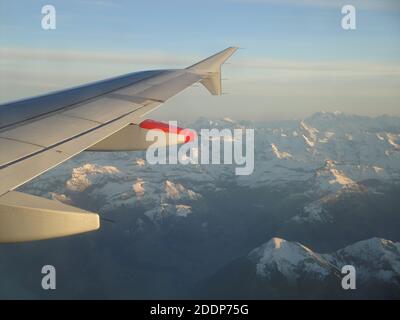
{"points": [[133, 137]]}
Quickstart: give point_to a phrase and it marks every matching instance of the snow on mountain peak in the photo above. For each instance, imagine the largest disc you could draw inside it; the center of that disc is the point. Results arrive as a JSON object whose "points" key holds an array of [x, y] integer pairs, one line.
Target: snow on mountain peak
{"points": [[277, 242], [175, 191], [140, 162], [352, 162], [378, 169], [138, 188], [330, 184], [309, 134], [308, 141], [377, 249], [315, 212], [329, 178], [326, 116], [81, 178], [373, 259], [227, 119], [280, 154], [340, 178], [392, 139], [279, 255], [165, 210], [183, 210]]}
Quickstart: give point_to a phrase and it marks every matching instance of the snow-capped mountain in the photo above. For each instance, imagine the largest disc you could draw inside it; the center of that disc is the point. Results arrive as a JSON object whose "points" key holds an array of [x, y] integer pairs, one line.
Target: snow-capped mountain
{"points": [[126, 183], [357, 147], [329, 154], [291, 259], [373, 259], [326, 181], [283, 269], [376, 259], [328, 185]]}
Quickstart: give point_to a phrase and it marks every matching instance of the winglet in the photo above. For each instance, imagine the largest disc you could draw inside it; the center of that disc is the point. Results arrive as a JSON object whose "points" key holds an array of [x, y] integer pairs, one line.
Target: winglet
{"points": [[210, 68]]}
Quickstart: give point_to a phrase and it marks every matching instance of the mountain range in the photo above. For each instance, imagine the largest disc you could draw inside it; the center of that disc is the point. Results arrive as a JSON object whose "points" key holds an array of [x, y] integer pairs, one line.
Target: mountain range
{"points": [[329, 182], [285, 269]]}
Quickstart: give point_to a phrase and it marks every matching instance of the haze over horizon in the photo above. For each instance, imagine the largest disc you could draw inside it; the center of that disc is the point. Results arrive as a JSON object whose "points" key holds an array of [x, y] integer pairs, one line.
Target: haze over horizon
{"points": [[297, 59]]}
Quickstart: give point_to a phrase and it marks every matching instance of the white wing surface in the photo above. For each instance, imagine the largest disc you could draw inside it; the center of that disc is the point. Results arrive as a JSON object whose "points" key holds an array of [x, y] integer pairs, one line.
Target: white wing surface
{"points": [[39, 133]]}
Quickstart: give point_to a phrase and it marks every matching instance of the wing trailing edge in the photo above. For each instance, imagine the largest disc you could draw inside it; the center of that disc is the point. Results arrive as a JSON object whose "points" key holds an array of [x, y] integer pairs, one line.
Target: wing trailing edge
{"points": [[25, 217]]}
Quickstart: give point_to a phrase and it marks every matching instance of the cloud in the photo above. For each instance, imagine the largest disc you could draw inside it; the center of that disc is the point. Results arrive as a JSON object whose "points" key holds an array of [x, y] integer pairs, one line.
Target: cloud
{"points": [[137, 57], [297, 67], [30, 71], [385, 5], [100, 3], [166, 59]]}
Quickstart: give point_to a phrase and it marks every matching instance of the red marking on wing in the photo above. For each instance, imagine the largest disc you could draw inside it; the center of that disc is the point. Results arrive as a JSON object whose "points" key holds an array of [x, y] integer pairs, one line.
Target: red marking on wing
{"points": [[149, 124]]}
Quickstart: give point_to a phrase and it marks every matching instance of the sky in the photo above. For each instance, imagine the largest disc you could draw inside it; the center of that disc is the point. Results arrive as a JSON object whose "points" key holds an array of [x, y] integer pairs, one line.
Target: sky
{"points": [[296, 59]]}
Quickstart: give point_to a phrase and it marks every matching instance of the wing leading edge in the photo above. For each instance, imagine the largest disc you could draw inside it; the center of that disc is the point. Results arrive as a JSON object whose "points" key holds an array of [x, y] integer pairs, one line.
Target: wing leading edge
{"points": [[31, 141]]}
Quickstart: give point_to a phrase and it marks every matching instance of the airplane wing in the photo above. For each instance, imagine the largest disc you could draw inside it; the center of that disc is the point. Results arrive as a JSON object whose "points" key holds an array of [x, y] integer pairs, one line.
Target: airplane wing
{"points": [[39, 133]]}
